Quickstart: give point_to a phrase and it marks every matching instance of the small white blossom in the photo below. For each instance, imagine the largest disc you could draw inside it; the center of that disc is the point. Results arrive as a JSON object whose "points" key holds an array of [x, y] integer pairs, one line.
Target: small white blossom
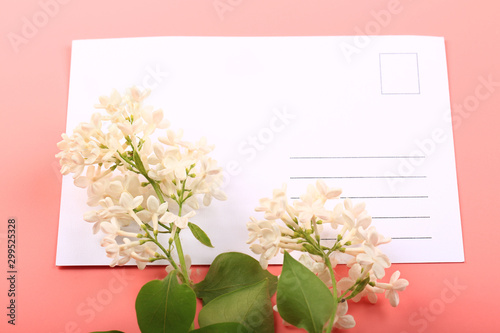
{"points": [[180, 221], [393, 287], [318, 268], [342, 319], [154, 210], [269, 237], [374, 259]]}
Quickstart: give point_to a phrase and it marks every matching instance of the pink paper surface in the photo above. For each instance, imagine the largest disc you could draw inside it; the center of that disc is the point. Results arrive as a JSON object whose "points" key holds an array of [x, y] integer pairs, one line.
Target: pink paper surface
{"points": [[35, 56]]}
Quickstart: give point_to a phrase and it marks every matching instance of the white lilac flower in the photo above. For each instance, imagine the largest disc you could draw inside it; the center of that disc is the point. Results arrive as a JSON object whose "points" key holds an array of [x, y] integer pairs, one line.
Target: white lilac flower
{"points": [[89, 178], [347, 282], [173, 138], [342, 319], [96, 191], [112, 249], [111, 103], [351, 217], [200, 148], [373, 259], [180, 221], [130, 129], [142, 254], [214, 192], [317, 267], [154, 120], [126, 250], [254, 230], [312, 205], [108, 211], [113, 229], [114, 158], [326, 192], [371, 236], [393, 287], [208, 180], [370, 293], [271, 238], [269, 242], [273, 207], [128, 202], [355, 274], [275, 210], [154, 210], [136, 95]]}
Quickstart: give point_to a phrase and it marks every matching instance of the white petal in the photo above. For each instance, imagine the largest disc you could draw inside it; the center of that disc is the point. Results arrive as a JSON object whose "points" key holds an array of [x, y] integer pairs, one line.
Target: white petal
{"points": [[126, 200], [158, 150], [137, 201], [181, 222], [263, 262], [364, 221], [348, 219], [207, 199], [355, 272], [219, 195], [379, 271], [393, 298], [108, 228], [153, 204], [268, 235], [82, 182], [400, 285], [348, 204], [180, 172], [395, 276], [359, 208], [190, 214], [157, 116], [346, 321], [116, 186], [271, 252], [257, 248], [168, 217], [364, 259], [91, 216], [163, 207], [252, 237]]}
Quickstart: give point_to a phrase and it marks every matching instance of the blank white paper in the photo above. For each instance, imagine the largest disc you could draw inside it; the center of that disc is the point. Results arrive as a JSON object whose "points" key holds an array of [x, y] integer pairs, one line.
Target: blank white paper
{"points": [[374, 122]]}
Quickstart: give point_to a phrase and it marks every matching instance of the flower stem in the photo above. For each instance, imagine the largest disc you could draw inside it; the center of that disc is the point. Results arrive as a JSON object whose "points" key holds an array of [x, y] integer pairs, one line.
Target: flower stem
{"points": [[140, 167], [334, 293], [182, 261]]}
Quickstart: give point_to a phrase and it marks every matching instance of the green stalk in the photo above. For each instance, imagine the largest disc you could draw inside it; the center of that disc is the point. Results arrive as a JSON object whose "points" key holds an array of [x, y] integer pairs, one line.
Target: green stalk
{"points": [[313, 242], [178, 247], [334, 292], [140, 166], [177, 240]]}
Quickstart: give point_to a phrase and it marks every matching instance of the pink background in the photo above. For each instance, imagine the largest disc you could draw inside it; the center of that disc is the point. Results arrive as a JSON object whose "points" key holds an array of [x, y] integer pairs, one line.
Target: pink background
{"points": [[34, 86]]}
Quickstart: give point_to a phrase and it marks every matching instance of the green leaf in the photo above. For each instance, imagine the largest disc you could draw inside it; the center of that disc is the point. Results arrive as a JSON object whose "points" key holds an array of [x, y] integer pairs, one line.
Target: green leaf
{"points": [[199, 234], [250, 306], [165, 305], [231, 271], [303, 299], [222, 327]]}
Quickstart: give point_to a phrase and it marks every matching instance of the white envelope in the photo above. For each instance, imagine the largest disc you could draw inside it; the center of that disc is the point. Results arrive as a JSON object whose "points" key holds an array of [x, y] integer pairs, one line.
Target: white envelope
{"points": [[374, 121]]}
